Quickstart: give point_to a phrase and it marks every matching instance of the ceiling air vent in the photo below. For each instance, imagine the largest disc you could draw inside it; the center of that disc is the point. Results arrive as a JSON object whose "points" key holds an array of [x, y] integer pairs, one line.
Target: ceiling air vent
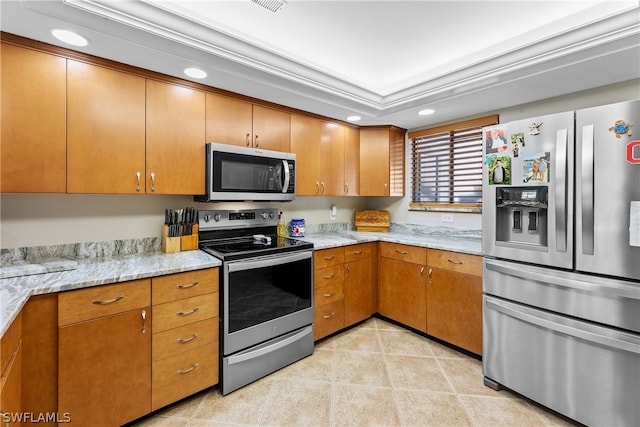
{"points": [[272, 5]]}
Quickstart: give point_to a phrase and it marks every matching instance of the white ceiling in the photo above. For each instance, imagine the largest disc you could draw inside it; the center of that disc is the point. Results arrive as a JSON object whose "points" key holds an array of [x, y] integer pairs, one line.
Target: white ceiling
{"points": [[383, 60]]}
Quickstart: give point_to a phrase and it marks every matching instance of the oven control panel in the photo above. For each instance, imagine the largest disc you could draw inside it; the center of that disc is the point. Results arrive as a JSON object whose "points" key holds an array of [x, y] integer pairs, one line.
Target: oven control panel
{"points": [[220, 219]]}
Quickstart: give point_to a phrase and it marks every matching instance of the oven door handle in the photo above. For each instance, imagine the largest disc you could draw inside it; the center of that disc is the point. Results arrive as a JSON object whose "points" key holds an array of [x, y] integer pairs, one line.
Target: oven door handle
{"points": [[261, 351], [269, 261]]}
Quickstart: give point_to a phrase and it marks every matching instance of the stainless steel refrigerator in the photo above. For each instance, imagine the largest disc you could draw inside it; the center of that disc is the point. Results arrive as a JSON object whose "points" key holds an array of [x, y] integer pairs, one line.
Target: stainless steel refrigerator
{"points": [[561, 273]]}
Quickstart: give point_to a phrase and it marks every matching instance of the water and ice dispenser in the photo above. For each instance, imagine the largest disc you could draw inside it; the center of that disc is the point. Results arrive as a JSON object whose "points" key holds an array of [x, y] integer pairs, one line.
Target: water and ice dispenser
{"points": [[521, 215]]}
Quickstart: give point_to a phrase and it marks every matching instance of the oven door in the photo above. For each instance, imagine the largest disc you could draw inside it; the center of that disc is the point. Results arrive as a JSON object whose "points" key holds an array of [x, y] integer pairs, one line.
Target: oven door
{"points": [[265, 297]]}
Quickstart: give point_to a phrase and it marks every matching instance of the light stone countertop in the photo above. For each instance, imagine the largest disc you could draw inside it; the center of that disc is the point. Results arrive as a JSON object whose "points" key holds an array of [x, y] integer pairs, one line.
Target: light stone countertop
{"points": [[92, 264]]}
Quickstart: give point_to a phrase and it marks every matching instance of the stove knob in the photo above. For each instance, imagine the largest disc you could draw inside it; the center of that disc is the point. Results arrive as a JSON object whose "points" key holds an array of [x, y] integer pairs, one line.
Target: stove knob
{"points": [[217, 217], [207, 218], [264, 215]]}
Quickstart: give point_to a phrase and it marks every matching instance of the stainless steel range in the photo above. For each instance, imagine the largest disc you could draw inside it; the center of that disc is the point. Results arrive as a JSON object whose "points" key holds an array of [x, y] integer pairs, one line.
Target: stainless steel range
{"points": [[266, 294]]}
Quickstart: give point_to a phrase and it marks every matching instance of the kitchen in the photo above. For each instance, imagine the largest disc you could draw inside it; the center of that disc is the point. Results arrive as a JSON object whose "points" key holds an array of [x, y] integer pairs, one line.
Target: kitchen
{"points": [[32, 220]]}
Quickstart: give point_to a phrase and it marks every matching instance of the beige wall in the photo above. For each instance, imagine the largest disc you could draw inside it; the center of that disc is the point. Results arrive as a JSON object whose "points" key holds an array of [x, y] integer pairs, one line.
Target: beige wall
{"points": [[42, 219]]}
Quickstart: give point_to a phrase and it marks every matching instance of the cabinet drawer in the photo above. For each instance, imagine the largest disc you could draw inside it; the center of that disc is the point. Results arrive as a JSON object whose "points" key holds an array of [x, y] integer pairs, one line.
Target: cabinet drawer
{"points": [[180, 375], [327, 257], [327, 294], [183, 285], [178, 340], [401, 252], [98, 301], [356, 252], [328, 319], [182, 312], [327, 276], [454, 261]]}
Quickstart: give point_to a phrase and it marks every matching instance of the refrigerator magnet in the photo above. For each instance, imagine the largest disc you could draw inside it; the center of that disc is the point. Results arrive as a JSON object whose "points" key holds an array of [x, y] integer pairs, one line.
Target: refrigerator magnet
{"points": [[534, 128], [500, 171], [495, 140], [535, 167], [517, 142], [621, 127]]}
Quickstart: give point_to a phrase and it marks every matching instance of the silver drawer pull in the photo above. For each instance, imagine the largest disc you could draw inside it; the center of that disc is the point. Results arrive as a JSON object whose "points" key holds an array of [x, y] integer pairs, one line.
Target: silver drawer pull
{"points": [[186, 340], [186, 313], [358, 252], [402, 252], [109, 301], [329, 258], [186, 371], [187, 285], [455, 262], [329, 316], [329, 276], [329, 295]]}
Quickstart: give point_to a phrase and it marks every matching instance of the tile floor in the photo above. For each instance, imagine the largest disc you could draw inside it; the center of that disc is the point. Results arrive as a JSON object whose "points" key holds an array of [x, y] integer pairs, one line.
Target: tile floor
{"points": [[375, 374]]}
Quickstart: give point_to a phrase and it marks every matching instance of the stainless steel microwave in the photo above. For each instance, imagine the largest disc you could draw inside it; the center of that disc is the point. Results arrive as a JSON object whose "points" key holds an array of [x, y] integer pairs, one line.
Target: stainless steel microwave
{"points": [[248, 174]]}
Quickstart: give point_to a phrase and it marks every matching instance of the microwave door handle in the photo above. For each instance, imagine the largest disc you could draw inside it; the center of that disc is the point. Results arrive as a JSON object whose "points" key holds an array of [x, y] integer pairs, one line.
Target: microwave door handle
{"points": [[287, 176]]}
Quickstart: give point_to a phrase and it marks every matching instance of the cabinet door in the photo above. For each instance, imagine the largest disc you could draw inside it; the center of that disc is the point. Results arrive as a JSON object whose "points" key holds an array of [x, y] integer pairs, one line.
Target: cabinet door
{"points": [[33, 125], [402, 292], [11, 386], [271, 129], [358, 291], [331, 159], [374, 162], [104, 374], [454, 308], [351, 161], [229, 120], [396, 162], [305, 142], [106, 130], [175, 139]]}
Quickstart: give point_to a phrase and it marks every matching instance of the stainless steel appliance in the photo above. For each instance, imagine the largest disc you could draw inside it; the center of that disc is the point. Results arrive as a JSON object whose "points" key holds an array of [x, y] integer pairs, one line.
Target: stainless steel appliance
{"points": [[247, 174], [561, 276], [266, 294]]}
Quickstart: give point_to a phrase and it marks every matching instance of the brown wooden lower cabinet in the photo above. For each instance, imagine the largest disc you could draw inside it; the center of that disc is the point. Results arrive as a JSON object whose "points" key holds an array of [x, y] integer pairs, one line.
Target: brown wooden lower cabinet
{"points": [[402, 292]]}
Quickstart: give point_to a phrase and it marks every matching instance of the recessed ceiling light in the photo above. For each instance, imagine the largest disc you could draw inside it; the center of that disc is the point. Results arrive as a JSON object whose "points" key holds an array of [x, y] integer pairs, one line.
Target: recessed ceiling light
{"points": [[354, 118], [196, 73], [426, 112], [69, 37]]}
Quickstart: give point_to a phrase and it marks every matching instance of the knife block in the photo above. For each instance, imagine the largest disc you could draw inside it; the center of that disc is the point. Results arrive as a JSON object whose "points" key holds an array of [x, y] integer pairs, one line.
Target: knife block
{"points": [[170, 244], [190, 242]]}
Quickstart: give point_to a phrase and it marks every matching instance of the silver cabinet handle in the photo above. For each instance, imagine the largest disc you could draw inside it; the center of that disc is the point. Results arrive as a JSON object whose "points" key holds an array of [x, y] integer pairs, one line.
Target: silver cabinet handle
{"points": [[109, 301], [329, 295], [587, 190], [561, 190], [153, 181], [144, 321], [329, 316], [138, 184], [347, 267], [322, 185], [346, 189], [187, 285], [317, 187], [186, 371], [329, 276], [456, 262], [186, 313], [248, 139], [386, 186], [358, 252], [422, 274], [329, 258], [401, 252], [186, 340], [430, 276], [256, 141]]}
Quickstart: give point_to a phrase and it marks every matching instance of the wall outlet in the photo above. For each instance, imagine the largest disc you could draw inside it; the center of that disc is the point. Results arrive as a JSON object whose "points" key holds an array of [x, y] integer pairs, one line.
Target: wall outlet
{"points": [[446, 217], [333, 212]]}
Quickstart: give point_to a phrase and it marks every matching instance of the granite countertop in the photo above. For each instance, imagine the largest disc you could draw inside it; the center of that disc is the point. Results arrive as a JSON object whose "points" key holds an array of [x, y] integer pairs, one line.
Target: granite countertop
{"points": [[42, 270]]}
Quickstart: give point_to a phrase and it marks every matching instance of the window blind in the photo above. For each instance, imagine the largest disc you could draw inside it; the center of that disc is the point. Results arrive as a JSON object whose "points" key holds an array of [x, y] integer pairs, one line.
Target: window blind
{"points": [[447, 165]]}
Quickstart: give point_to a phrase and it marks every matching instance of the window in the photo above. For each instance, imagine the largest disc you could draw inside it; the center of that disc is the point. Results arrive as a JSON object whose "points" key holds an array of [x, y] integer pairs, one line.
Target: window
{"points": [[446, 167]]}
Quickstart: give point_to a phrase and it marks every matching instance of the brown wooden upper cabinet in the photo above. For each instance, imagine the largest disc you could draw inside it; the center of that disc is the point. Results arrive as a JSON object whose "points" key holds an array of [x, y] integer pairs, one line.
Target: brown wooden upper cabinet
{"points": [[319, 149], [175, 128], [33, 121], [237, 122], [106, 130], [381, 161], [351, 161]]}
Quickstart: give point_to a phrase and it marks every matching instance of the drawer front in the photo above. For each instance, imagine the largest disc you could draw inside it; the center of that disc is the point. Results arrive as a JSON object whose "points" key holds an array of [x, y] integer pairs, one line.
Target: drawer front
{"points": [[328, 276], [356, 252], [179, 313], [98, 301], [328, 294], [183, 285], [181, 375], [327, 257], [328, 319], [178, 340], [401, 252], [454, 261]]}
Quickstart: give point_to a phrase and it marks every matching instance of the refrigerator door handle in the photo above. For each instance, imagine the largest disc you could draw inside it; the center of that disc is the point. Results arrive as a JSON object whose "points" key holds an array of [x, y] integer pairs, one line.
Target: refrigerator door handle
{"points": [[610, 289], [582, 334], [561, 190], [587, 190]]}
